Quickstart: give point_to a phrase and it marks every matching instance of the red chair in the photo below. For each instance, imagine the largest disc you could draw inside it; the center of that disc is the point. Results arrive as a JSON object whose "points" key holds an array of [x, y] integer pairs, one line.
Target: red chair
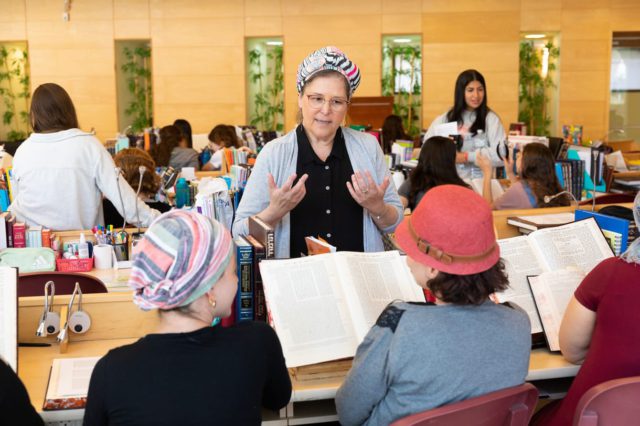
{"points": [[615, 402], [32, 283], [507, 407]]}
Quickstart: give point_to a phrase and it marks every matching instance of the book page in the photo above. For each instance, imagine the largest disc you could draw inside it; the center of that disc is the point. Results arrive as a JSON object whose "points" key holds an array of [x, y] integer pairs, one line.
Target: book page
{"points": [[496, 189], [70, 377], [520, 261], [541, 221], [579, 245], [308, 309], [9, 316], [552, 292], [372, 281]]}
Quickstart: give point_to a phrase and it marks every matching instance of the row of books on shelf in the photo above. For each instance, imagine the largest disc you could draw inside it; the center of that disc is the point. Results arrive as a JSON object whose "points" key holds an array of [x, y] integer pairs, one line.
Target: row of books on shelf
{"points": [[571, 176], [18, 234]]}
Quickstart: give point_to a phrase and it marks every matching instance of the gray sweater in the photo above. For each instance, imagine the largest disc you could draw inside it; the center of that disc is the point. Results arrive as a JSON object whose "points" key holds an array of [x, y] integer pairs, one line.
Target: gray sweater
{"points": [[422, 356], [279, 157]]}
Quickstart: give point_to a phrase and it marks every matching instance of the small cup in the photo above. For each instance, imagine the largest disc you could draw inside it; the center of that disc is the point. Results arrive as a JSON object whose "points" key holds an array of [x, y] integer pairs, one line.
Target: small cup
{"points": [[103, 256]]}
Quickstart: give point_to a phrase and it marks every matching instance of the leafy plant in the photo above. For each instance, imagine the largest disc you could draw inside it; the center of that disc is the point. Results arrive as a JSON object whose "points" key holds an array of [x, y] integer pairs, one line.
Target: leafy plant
{"points": [[268, 81], [13, 67], [533, 87], [138, 70], [407, 103]]}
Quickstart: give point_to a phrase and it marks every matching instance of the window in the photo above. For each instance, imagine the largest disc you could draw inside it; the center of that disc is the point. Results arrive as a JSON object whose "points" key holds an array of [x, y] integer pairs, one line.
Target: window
{"points": [[624, 109], [133, 82], [265, 83], [15, 91]]}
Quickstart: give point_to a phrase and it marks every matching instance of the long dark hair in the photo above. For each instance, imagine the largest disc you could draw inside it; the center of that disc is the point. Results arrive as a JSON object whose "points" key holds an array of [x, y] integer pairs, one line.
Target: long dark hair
{"points": [[392, 130], [185, 129], [459, 104], [170, 137], [436, 166], [539, 171], [52, 109]]}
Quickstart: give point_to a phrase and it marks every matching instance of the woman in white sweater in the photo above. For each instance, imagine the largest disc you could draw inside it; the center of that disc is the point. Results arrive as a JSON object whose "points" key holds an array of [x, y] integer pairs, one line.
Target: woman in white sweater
{"points": [[61, 173]]}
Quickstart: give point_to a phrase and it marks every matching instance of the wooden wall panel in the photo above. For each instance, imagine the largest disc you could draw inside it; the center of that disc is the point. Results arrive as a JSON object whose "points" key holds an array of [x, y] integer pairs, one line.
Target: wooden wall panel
{"points": [[13, 23]]}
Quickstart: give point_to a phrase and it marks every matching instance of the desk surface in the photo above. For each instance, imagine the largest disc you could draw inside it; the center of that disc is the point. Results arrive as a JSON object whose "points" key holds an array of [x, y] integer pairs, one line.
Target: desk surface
{"points": [[34, 365]]}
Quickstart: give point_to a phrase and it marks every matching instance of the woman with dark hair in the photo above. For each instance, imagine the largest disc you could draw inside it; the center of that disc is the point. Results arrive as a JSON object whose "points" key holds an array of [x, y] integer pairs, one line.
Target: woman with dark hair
{"points": [[222, 136], [478, 125], [420, 356], [536, 167], [61, 172], [436, 166], [173, 151], [392, 130], [185, 129], [322, 179]]}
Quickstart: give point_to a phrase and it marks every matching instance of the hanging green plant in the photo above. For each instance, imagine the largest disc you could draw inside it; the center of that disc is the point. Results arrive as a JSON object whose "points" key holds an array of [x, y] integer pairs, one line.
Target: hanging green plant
{"points": [[407, 102], [267, 79], [14, 89], [533, 87], [138, 71]]}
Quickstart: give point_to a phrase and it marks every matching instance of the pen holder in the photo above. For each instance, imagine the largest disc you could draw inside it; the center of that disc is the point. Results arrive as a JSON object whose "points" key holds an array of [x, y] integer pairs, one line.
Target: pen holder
{"points": [[121, 251]]}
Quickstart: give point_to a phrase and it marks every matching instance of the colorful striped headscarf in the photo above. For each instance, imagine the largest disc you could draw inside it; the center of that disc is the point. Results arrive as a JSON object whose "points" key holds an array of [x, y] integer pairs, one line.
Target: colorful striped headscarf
{"points": [[328, 58], [181, 256], [632, 254]]}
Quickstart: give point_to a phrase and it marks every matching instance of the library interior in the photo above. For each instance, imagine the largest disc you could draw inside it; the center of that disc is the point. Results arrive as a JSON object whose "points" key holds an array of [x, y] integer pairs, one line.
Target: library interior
{"points": [[374, 212]]}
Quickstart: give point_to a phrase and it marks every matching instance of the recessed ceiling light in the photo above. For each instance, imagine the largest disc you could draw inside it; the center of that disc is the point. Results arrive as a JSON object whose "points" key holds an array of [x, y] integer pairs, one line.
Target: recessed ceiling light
{"points": [[274, 43], [402, 40], [535, 36]]}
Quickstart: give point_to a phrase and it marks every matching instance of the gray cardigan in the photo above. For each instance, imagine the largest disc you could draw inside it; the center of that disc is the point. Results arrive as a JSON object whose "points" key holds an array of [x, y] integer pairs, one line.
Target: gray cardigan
{"points": [[279, 157]]}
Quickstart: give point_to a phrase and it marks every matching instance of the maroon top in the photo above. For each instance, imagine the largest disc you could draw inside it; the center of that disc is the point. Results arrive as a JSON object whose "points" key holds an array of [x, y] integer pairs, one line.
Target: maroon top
{"points": [[612, 291]]}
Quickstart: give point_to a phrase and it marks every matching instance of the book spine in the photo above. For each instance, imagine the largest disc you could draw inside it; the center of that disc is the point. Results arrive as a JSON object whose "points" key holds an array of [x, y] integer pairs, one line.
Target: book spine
{"points": [[260, 309], [19, 235], [270, 246], [244, 298], [46, 237], [9, 225]]}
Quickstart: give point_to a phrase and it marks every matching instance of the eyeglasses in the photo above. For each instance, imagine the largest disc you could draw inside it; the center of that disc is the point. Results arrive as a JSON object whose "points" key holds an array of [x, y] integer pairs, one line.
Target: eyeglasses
{"points": [[336, 104]]}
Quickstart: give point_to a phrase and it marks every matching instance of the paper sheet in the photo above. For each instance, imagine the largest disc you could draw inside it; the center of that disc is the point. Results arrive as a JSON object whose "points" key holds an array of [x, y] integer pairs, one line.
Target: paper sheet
{"points": [[447, 129]]}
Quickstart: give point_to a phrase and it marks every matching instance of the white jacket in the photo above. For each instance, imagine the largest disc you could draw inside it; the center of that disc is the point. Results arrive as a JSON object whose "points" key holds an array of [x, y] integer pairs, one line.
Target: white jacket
{"points": [[59, 180]]}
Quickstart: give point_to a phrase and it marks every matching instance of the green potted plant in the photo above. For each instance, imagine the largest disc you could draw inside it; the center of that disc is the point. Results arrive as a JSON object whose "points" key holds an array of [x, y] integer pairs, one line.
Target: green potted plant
{"points": [[138, 71], [14, 90], [266, 75]]}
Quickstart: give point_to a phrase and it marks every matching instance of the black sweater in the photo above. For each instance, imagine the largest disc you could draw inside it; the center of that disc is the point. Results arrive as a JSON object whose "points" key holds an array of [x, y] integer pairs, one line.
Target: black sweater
{"points": [[215, 375], [15, 407]]}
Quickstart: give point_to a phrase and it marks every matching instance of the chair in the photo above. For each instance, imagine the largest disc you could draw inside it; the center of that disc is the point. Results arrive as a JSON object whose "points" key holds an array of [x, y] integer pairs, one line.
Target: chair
{"points": [[507, 407], [32, 283], [615, 402]]}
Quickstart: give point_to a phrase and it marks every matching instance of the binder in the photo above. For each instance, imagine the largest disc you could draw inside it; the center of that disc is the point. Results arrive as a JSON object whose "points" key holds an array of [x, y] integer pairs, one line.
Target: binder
{"points": [[614, 228]]}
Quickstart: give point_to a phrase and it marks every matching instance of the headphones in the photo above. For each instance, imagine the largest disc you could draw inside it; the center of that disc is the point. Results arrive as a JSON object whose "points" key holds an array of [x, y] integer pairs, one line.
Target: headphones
{"points": [[78, 321], [49, 321]]}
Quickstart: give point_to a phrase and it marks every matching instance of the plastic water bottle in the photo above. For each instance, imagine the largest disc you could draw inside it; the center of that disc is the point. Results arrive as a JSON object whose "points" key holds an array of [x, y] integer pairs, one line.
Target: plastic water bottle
{"points": [[182, 193], [480, 140]]}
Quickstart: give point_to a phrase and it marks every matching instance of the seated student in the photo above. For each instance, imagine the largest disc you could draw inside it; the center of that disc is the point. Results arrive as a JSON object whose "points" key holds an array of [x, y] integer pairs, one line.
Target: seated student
{"points": [[61, 172], [392, 130], [189, 371], [15, 407], [129, 160], [222, 136], [436, 166], [173, 151], [420, 356], [537, 170], [601, 329], [185, 128]]}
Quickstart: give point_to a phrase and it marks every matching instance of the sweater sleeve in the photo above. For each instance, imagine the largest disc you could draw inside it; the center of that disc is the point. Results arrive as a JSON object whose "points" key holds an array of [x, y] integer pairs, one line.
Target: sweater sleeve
{"points": [[368, 380], [277, 389], [94, 412], [495, 135], [391, 195], [15, 407], [108, 182], [432, 128]]}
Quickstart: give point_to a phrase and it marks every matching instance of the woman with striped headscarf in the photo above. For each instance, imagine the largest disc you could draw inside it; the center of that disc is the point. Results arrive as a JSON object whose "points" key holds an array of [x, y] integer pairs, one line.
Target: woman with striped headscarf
{"points": [[190, 371]]}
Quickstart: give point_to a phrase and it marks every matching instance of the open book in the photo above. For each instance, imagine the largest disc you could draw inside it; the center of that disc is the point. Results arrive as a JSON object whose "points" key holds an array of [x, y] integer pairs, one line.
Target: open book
{"points": [[69, 383], [577, 247], [322, 306], [9, 316], [496, 187]]}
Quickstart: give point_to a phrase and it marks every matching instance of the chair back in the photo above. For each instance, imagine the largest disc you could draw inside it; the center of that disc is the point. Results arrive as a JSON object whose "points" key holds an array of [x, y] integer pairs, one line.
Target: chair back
{"points": [[615, 402], [32, 283], [507, 407]]}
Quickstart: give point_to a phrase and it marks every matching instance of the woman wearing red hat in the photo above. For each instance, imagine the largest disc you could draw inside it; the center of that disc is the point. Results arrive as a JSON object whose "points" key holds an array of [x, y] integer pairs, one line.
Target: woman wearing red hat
{"points": [[322, 179], [420, 356]]}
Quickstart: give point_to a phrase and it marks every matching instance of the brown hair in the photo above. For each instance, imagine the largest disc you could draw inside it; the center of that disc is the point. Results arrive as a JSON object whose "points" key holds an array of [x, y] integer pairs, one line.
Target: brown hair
{"points": [[170, 137], [392, 130], [539, 171], [130, 160], [52, 109], [471, 289], [224, 136]]}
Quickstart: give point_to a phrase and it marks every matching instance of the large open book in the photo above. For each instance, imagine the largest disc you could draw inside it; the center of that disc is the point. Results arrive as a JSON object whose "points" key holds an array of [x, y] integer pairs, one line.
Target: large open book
{"points": [[568, 250], [69, 383], [322, 306], [9, 316]]}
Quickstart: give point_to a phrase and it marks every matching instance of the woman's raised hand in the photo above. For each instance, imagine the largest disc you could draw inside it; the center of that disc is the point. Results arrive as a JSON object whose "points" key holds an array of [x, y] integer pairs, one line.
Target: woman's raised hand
{"points": [[366, 192], [484, 163], [284, 198]]}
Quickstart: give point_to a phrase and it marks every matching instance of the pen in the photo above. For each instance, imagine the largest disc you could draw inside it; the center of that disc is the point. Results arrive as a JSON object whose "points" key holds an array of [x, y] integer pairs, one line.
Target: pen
{"points": [[33, 345]]}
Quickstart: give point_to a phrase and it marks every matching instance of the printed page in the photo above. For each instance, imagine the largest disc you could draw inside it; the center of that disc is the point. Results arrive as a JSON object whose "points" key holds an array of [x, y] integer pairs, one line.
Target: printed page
{"points": [[520, 260], [552, 292], [578, 245], [308, 309], [9, 316], [70, 377], [372, 281], [447, 129]]}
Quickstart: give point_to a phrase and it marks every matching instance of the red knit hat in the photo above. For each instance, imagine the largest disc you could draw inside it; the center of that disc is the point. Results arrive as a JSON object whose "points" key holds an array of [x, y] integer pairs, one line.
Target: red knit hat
{"points": [[451, 230]]}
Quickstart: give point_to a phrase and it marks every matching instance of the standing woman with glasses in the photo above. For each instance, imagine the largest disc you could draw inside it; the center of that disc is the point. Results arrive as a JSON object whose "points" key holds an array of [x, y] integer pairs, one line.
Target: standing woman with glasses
{"points": [[322, 179]]}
